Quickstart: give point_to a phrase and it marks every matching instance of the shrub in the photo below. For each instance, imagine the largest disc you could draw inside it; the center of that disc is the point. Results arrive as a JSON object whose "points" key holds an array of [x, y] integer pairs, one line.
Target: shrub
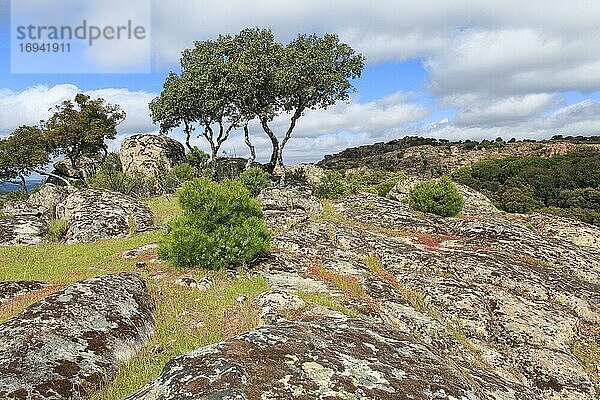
{"points": [[376, 181], [438, 197], [332, 186], [220, 226], [197, 158], [109, 176], [57, 230], [184, 172], [255, 179], [297, 175]]}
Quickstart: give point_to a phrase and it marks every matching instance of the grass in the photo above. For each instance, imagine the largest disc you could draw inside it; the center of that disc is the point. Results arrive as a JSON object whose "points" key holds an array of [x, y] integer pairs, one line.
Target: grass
{"points": [[327, 302], [185, 318]]}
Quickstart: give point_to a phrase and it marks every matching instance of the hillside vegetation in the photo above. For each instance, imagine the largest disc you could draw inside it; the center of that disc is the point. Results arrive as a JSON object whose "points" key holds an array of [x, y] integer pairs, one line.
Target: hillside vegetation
{"points": [[566, 185]]}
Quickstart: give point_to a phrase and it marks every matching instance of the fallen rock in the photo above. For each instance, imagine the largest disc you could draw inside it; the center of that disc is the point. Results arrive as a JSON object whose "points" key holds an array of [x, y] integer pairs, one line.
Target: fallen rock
{"points": [[99, 214], [9, 290], [71, 343], [143, 153], [323, 359], [22, 230], [134, 253]]}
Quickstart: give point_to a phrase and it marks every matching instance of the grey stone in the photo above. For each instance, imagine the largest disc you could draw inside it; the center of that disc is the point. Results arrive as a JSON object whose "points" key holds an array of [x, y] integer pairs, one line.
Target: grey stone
{"points": [[22, 230], [143, 153], [71, 343]]}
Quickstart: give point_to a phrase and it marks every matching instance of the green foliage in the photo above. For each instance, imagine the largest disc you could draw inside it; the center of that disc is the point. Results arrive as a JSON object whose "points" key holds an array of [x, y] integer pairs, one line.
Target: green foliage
{"points": [[197, 158], [332, 186], [79, 128], [57, 230], [438, 197], [227, 82], [110, 176], [23, 152], [376, 181], [221, 226], [297, 176], [567, 185], [184, 172], [255, 179]]}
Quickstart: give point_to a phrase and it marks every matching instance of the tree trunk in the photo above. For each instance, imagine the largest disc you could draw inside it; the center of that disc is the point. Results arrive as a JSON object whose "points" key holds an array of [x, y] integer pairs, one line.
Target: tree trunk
{"points": [[23, 184], [250, 147], [274, 143], [188, 133], [288, 135]]}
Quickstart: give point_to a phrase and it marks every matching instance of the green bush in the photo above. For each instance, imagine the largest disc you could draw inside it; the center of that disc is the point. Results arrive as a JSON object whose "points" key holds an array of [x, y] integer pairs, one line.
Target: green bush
{"points": [[332, 186], [57, 230], [438, 197], [221, 226], [570, 182], [184, 172], [255, 179], [197, 158], [297, 176], [376, 181]]}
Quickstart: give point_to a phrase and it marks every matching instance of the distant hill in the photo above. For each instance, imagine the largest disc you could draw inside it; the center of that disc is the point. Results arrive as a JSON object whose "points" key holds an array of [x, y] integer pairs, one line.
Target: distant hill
{"points": [[429, 157]]}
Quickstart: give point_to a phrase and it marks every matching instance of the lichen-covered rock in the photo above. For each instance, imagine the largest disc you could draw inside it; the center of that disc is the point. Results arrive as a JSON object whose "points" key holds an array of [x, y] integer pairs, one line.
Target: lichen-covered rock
{"points": [[9, 290], [568, 229], [286, 207], [67, 345], [313, 174], [22, 230], [99, 214], [49, 196], [476, 204], [24, 208], [481, 290], [276, 303], [143, 153], [324, 359]]}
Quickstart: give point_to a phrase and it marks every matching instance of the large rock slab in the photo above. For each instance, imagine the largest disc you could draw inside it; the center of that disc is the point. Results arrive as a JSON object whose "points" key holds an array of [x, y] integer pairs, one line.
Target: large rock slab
{"points": [[22, 230], [323, 359], [143, 153], [67, 345], [41, 203], [485, 291], [99, 214]]}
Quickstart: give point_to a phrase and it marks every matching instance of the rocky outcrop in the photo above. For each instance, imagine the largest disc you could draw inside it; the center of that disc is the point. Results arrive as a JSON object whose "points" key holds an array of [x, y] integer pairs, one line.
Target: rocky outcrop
{"points": [[69, 344], [430, 158], [476, 204], [567, 229], [143, 153], [99, 214], [312, 174], [286, 207], [41, 203], [322, 359], [22, 230], [9, 290]]}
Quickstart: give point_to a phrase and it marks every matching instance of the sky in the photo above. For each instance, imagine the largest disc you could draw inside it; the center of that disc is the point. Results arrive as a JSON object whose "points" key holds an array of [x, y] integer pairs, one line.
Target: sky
{"points": [[446, 69]]}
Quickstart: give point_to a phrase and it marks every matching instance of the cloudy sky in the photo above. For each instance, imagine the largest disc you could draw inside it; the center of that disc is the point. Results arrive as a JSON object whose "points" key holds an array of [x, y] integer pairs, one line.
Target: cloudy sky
{"points": [[447, 69]]}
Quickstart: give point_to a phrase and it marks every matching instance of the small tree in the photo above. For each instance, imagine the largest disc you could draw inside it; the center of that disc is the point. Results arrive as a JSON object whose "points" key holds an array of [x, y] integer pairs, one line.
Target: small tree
{"points": [[174, 107], [78, 129], [221, 226], [311, 72], [25, 151], [438, 197]]}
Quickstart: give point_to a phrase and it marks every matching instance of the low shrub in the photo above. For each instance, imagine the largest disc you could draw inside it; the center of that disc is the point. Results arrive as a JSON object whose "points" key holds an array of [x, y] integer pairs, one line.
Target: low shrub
{"points": [[220, 226], [376, 181], [297, 176], [438, 197], [332, 186], [57, 230], [255, 179]]}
